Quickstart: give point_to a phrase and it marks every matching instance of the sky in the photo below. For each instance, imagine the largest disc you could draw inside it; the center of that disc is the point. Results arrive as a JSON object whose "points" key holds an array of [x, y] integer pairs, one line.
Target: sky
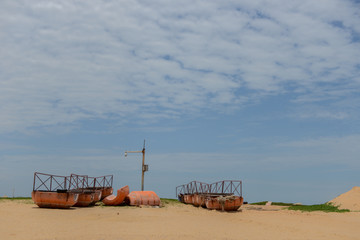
{"points": [[262, 91]]}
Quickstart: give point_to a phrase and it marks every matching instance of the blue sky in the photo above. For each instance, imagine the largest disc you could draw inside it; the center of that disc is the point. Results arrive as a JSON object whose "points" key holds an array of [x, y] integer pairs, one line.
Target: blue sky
{"points": [[262, 91]]}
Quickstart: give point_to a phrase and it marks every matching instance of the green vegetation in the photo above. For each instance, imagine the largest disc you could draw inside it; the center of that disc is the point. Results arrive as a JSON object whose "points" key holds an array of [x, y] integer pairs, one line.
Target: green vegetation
{"points": [[326, 207], [26, 200], [274, 203], [258, 203], [168, 201], [15, 198]]}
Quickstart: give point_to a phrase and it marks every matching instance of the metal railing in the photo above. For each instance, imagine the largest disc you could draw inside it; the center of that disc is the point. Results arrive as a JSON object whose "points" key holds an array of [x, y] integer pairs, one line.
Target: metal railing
{"points": [[52, 183], [226, 187], [103, 181], [194, 187], [84, 182], [78, 182]]}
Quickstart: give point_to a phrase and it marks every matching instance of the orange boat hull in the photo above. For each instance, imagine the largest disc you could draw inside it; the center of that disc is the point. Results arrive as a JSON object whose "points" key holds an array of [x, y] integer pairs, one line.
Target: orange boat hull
{"points": [[137, 198], [196, 200], [227, 205], [54, 199], [106, 192], [97, 197], [113, 200], [188, 199], [85, 199], [199, 200], [181, 198]]}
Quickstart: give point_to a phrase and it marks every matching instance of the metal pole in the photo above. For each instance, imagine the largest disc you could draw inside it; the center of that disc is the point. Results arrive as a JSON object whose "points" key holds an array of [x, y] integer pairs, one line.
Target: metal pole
{"points": [[241, 188], [34, 181], [143, 169]]}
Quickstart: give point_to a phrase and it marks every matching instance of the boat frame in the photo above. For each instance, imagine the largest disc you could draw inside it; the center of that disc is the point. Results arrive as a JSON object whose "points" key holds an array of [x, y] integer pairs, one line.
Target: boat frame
{"points": [[209, 195]]}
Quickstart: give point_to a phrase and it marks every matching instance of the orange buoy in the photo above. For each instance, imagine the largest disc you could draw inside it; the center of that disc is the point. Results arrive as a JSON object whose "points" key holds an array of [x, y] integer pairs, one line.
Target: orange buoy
{"points": [[85, 199], [137, 198], [224, 203], [113, 200], [54, 199], [107, 191]]}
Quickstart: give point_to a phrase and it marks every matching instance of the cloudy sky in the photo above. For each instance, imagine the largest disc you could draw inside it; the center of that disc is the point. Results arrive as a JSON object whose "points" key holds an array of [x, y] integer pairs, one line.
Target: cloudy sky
{"points": [[262, 91]]}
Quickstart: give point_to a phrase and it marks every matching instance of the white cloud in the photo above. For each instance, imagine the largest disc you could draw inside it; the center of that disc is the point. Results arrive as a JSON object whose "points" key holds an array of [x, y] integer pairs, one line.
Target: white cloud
{"points": [[63, 62]]}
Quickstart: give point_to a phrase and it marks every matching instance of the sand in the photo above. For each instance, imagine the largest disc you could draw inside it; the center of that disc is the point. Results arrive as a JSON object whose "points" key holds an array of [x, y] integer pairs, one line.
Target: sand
{"points": [[21, 220], [349, 200]]}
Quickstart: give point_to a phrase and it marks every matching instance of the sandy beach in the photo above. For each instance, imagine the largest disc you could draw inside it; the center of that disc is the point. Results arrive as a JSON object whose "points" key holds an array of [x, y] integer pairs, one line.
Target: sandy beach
{"points": [[22, 219]]}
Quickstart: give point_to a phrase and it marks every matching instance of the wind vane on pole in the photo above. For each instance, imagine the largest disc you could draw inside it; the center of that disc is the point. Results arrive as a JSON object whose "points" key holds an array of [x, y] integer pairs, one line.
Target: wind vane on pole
{"points": [[145, 167]]}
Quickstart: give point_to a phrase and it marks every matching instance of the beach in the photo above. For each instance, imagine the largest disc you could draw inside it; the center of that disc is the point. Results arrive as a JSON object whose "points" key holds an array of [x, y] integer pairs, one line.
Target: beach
{"points": [[21, 219]]}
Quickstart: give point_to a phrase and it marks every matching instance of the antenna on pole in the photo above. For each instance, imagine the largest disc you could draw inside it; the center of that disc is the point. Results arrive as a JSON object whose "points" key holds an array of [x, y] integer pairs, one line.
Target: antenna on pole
{"points": [[145, 167]]}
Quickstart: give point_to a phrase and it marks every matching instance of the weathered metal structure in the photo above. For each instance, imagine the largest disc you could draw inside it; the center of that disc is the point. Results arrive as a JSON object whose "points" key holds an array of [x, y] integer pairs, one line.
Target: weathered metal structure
{"points": [[54, 191], [85, 183], [224, 195], [144, 167]]}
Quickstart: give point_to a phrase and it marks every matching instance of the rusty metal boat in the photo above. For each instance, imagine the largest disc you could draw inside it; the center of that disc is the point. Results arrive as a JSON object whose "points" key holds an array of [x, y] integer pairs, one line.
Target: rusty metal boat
{"points": [[103, 184], [224, 203], [52, 191], [80, 184], [223, 195], [91, 189]]}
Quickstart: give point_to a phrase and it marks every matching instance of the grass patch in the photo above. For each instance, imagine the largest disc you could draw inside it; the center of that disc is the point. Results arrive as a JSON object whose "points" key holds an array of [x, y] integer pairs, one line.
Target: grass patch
{"points": [[326, 207], [15, 198], [258, 203], [169, 201], [165, 202], [274, 204], [26, 200], [283, 204]]}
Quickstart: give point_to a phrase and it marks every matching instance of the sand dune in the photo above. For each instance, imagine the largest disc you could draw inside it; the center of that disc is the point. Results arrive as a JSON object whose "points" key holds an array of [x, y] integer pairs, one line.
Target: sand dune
{"points": [[349, 200], [21, 220]]}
